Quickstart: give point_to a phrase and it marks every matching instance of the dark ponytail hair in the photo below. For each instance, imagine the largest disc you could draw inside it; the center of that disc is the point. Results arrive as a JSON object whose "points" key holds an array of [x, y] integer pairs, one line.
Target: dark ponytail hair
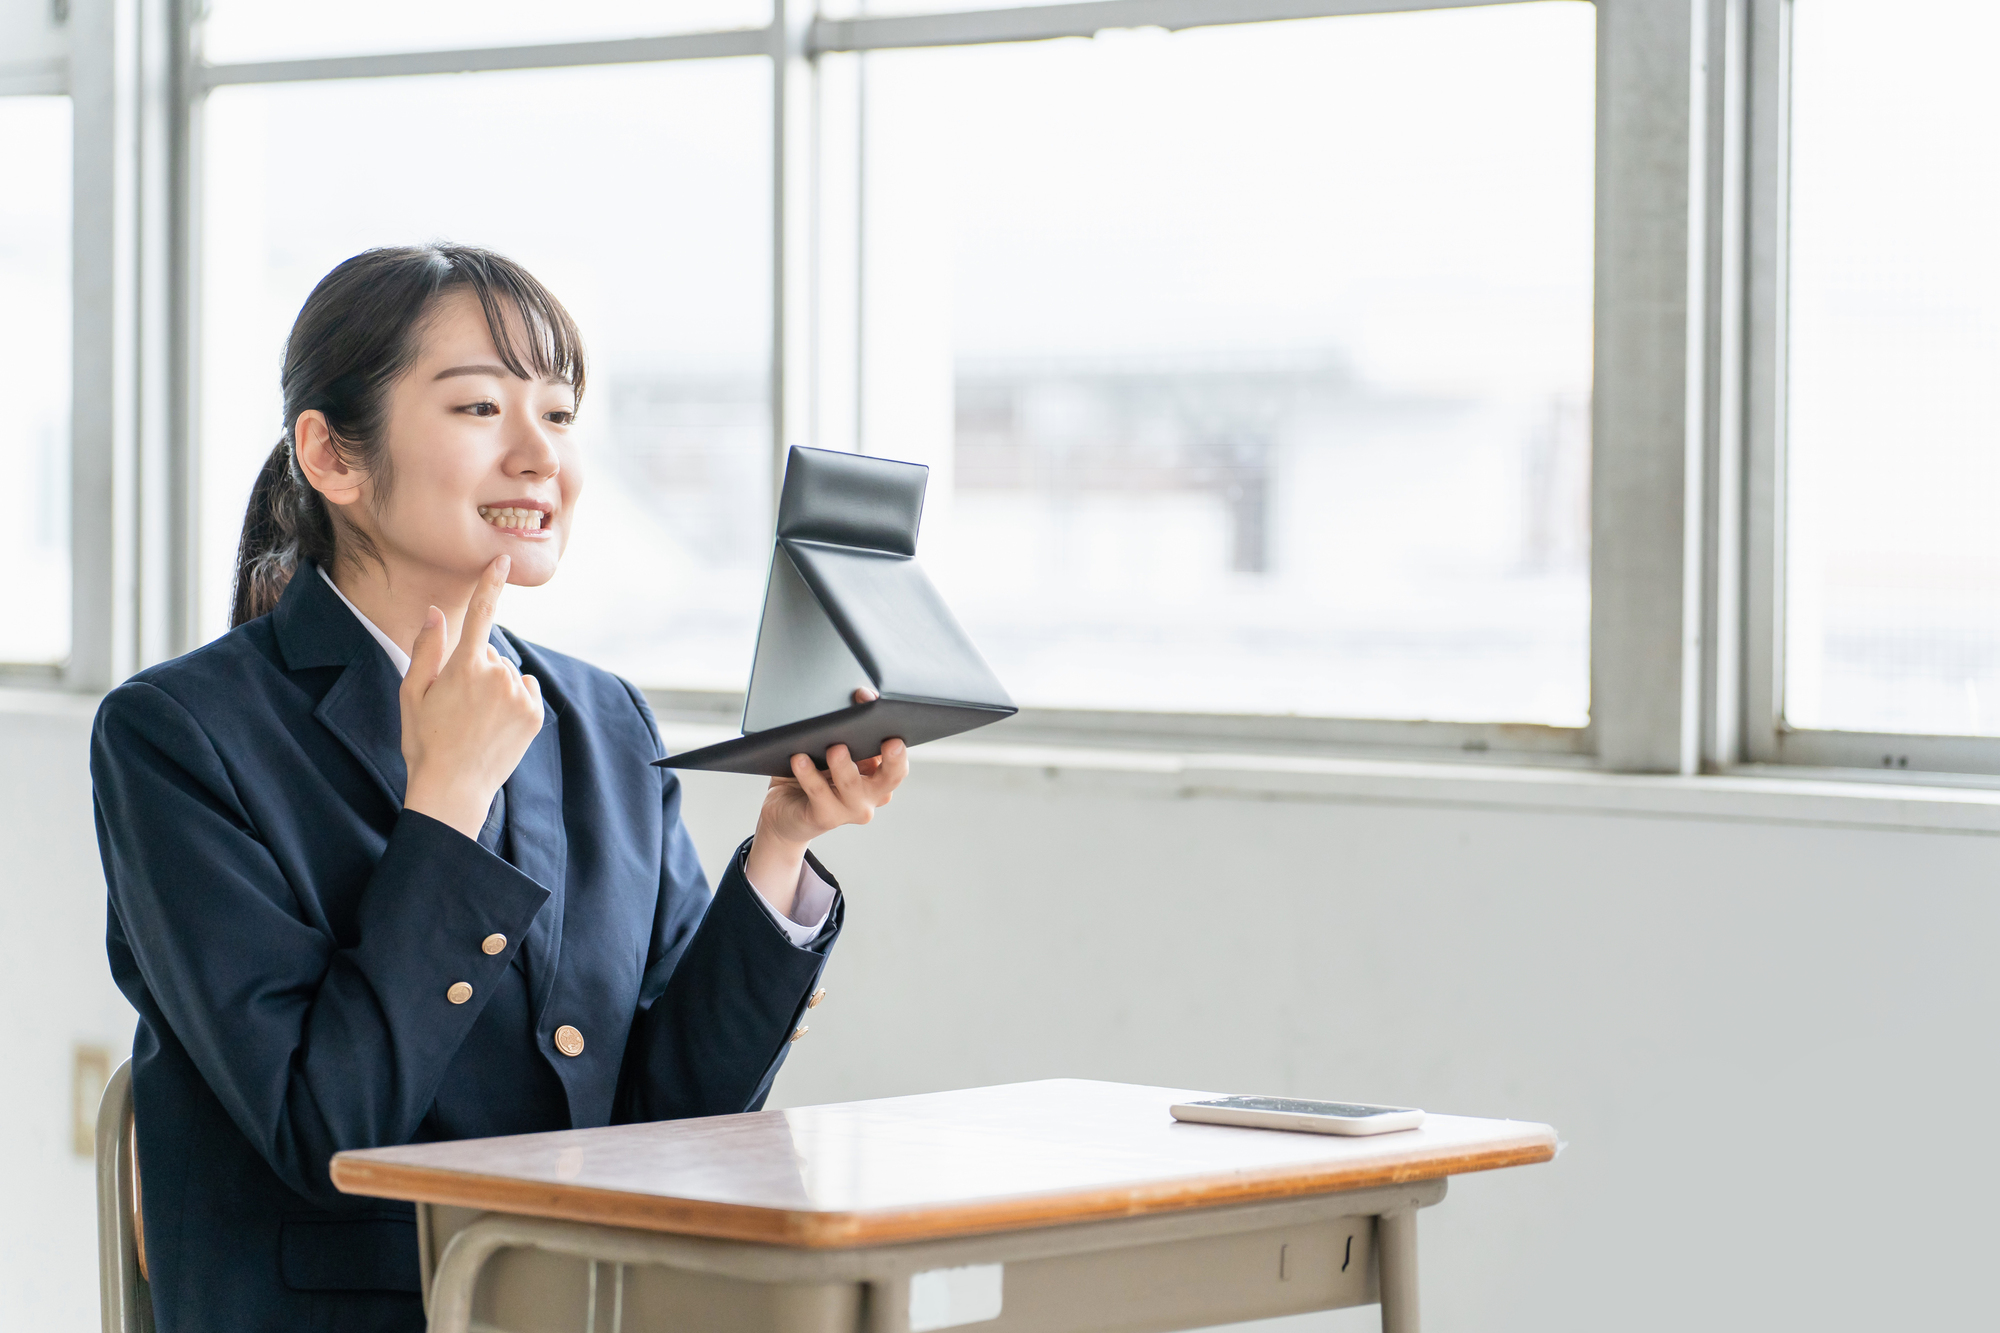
{"points": [[357, 333]]}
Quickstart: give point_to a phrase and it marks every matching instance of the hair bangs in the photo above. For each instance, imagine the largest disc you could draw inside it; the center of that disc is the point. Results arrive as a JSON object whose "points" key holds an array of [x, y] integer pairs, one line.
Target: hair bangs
{"points": [[532, 332]]}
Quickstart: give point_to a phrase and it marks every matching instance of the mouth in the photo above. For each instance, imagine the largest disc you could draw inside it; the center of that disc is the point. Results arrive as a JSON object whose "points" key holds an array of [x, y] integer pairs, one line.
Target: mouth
{"points": [[518, 516]]}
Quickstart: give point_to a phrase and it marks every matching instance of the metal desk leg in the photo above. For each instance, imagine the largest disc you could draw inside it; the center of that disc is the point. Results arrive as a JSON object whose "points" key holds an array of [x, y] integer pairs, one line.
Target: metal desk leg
{"points": [[458, 1273], [1396, 1253]]}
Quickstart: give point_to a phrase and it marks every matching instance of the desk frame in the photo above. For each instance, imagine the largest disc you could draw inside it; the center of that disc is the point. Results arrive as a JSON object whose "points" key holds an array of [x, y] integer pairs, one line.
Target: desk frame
{"points": [[882, 1272]]}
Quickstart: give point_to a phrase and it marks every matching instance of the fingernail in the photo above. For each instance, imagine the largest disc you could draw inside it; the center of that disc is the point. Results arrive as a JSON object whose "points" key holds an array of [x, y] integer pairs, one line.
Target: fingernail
{"points": [[434, 619], [506, 564]]}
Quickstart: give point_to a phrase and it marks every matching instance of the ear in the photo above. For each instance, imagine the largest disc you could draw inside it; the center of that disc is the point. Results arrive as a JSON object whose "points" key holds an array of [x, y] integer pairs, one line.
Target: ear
{"points": [[337, 481]]}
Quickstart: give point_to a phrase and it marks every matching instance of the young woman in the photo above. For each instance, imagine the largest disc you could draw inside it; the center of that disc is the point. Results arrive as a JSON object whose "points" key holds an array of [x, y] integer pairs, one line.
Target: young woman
{"points": [[383, 873]]}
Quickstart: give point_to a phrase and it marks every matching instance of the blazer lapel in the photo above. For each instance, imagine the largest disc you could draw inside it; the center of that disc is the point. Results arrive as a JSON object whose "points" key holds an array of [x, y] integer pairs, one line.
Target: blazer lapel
{"points": [[537, 842], [361, 710]]}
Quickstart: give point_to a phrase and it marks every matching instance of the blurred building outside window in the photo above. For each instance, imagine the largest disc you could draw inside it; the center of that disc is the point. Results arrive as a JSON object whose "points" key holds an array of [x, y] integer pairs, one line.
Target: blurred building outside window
{"points": [[1253, 363]]}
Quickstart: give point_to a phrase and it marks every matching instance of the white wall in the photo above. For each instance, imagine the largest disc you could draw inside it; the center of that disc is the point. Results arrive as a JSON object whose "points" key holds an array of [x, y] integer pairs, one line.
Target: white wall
{"points": [[1717, 992], [56, 985], [1722, 1014]]}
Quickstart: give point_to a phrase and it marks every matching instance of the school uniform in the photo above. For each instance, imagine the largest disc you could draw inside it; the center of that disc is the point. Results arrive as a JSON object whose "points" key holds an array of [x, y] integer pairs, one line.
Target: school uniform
{"points": [[316, 968]]}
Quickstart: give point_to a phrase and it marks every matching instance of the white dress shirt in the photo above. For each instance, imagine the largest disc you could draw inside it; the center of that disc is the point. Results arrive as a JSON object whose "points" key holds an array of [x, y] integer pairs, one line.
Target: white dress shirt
{"points": [[815, 895]]}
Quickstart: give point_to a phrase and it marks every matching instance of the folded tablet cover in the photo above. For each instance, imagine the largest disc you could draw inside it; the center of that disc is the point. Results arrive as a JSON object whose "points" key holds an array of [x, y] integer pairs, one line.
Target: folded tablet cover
{"points": [[847, 604]]}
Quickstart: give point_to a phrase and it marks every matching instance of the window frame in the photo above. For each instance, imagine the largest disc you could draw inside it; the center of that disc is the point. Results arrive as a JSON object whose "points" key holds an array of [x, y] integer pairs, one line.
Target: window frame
{"points": [[1686, 514], [1768, 740]]}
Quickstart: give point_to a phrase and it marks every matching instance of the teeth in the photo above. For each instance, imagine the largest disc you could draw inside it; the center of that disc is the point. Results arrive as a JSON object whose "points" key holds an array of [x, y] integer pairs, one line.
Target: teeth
{"points": [[530, 519]]}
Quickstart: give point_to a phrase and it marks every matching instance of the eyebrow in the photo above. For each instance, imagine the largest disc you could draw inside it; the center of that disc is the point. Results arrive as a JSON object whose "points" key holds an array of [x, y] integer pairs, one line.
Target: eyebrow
{"points": [[497, 372]]}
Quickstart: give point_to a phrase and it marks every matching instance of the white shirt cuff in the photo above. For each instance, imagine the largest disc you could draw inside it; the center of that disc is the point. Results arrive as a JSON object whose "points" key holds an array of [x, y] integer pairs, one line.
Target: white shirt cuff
{"points": [[809, 909]]}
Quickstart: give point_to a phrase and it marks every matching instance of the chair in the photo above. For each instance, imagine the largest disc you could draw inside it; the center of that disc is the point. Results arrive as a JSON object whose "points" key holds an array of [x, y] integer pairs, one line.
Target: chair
{"points": [[126, 1297]]}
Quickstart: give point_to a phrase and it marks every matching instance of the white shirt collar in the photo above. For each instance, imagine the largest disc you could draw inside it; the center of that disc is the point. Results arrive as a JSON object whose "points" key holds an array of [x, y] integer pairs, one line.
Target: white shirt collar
{"points": [[397, 657]]}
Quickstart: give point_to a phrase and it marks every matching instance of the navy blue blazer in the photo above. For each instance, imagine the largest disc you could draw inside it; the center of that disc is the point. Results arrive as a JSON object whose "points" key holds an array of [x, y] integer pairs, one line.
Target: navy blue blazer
{"points": [[288, 933]]}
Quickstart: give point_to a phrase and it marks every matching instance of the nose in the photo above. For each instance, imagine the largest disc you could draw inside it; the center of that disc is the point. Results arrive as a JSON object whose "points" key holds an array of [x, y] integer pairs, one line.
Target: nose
{"points": [[531, 453]]}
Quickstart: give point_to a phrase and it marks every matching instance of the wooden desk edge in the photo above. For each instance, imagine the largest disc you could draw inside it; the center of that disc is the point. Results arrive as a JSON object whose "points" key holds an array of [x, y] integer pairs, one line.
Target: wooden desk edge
{"points": [[813, 1230]]}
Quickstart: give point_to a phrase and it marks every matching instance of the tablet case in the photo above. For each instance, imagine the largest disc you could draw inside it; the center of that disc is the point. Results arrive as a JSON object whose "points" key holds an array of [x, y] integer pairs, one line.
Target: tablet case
{"points": [[847, 604]]}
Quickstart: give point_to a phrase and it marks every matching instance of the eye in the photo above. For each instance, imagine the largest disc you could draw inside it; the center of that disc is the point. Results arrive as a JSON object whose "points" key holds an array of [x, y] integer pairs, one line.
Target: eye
{"points": [[560, 418], [485, 408]]}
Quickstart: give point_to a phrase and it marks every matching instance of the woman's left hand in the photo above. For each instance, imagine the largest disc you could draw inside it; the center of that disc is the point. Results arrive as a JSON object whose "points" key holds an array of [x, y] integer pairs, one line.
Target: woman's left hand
{"points": [[799, 808]]}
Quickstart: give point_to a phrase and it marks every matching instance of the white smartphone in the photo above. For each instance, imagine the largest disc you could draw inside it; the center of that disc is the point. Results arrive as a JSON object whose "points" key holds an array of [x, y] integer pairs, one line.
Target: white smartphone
{"points": [[1291, 1113]]}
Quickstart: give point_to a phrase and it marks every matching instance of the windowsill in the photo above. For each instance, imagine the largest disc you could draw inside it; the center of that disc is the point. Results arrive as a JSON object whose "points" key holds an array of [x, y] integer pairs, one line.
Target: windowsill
{"points": [[50, 700], [1814, 798]]}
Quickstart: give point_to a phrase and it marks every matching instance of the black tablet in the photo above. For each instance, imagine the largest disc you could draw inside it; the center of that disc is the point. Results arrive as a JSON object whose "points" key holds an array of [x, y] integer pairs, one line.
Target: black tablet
{"points": [[860, 727], [846, 605]]}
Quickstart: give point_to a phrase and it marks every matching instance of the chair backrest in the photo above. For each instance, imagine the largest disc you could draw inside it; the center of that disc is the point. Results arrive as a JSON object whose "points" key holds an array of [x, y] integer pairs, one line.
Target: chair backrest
{"points": [[124, 1295]]}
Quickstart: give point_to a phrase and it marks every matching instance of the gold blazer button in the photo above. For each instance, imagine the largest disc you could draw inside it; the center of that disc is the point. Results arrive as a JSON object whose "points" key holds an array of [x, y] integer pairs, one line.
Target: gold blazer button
{"points": [[817, 996], [568, 1040], [802, 1030], [493, 944], [459, 993]]}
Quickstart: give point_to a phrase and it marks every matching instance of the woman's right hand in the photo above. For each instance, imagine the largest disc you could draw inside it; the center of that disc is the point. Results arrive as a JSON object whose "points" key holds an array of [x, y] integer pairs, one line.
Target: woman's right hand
{"points": [[467, 721]]}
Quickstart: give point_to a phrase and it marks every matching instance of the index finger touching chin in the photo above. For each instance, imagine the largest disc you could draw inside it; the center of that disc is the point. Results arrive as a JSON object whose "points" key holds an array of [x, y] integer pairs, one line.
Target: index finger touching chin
{"points": [[485, 602]]}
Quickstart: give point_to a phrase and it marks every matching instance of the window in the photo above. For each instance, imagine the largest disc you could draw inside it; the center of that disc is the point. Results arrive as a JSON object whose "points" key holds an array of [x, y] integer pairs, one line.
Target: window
{"points": [[1263, 354], [34, 346], [1287, 378], [641, 195], [1892, 609]]}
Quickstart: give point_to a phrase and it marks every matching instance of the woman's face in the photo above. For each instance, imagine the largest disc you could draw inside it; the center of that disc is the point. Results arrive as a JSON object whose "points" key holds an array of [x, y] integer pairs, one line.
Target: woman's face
{"points": [[482, 460]]}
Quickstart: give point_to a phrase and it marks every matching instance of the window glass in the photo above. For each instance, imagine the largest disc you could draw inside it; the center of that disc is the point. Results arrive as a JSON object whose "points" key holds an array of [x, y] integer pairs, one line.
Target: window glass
{"points": [[1892, 607], [1253, 363], [34, 346], [640, 194], [239, 30]]}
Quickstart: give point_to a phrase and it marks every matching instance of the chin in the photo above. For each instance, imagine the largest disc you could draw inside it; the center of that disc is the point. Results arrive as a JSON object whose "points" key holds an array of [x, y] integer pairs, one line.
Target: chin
{"points": [[530, 573]]}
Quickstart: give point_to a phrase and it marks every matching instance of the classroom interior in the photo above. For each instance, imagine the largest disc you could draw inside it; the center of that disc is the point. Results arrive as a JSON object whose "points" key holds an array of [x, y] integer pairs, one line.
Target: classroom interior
{"points": [[1484, 509]]}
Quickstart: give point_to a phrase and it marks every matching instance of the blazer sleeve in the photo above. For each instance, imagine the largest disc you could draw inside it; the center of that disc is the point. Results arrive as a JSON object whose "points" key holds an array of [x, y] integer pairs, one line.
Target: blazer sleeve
{"points": [[311, 1046], [724, 987]]}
